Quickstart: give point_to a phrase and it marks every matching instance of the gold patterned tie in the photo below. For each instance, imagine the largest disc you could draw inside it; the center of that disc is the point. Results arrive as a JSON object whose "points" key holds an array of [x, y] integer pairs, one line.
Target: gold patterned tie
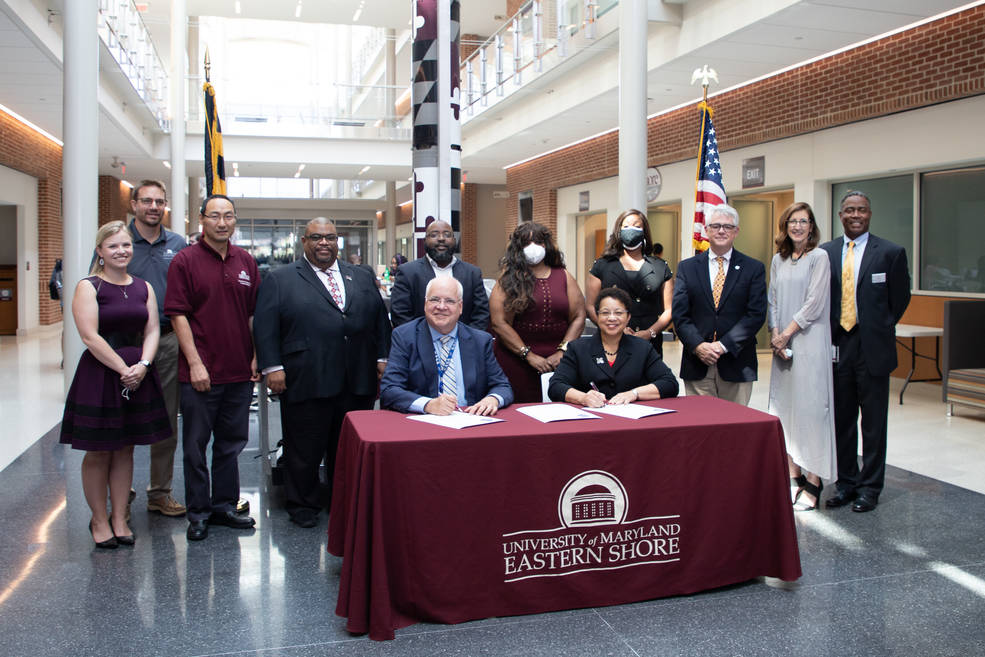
{"points": [[848, 318], [719, 284]]}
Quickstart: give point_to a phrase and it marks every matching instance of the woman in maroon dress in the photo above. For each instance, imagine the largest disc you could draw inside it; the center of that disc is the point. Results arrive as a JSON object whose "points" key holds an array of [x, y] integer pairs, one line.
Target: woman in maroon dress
{"points": [[535, 309], [115, 400]]}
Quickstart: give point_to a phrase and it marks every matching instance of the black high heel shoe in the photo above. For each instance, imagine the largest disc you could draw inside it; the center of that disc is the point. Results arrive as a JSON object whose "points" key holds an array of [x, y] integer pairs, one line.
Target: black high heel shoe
{"points": [[810, 489], [798, 482], [108, 544]]}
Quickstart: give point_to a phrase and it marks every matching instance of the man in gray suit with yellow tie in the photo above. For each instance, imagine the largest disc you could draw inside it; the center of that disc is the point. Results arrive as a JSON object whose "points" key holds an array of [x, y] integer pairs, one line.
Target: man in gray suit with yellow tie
{"points": [[870, 289]]}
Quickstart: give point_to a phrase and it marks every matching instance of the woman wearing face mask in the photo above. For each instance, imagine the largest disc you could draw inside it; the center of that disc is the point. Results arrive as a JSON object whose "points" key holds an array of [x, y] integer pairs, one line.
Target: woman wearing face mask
{"points": [[535, 309], [627, 264]]}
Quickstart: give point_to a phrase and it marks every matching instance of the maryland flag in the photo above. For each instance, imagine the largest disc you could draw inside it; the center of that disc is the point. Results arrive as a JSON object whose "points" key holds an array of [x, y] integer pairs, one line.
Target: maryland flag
{"points": [[215, 167], [709, 190]]}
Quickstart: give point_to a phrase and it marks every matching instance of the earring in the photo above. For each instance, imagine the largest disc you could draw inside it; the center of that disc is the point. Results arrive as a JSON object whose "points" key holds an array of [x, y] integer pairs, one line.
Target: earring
{"points": [[101, 263]]}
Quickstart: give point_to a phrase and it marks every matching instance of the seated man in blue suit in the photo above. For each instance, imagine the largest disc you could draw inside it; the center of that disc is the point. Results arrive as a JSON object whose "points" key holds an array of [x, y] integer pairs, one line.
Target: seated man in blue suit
{"points": [[438, 365]]}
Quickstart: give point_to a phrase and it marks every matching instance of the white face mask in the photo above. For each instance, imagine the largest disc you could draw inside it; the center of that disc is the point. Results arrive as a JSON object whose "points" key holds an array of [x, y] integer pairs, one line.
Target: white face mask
{"points": [[534, 253]]}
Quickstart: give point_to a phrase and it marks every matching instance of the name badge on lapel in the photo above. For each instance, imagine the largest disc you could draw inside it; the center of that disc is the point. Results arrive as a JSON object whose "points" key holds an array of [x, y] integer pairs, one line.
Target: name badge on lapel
{"points": [[348, 278], [879, 278]]}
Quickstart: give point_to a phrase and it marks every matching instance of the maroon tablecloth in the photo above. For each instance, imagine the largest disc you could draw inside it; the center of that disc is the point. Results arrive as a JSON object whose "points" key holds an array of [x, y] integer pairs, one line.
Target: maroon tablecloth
{"points": [[521, 517]]}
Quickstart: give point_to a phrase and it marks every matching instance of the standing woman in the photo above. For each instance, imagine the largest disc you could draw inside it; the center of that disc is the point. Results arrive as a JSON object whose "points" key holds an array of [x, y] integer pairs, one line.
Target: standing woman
{"points": [[628, 264], [801, 392], [536, 309], [115, 399]]}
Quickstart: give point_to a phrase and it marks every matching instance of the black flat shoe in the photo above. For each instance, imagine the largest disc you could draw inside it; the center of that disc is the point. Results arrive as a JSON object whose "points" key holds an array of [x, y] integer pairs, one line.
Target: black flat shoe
{"points": [[810, 489], [231, 519], [108, 544], [127, 540], [841, 499]]}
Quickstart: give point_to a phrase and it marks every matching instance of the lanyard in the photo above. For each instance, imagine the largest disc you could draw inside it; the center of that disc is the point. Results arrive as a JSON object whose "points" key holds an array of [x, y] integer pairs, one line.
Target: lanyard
{"points": [[443, 366]]}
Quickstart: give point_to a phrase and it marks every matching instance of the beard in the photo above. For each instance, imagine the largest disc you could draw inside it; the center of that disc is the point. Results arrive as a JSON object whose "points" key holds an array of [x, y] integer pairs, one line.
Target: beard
{"points": [[443, 258]]}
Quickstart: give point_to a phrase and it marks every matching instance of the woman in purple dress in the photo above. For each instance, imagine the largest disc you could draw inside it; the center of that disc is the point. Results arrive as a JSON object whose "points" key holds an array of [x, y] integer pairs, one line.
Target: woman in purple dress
{"points": [[535, 309], [115, 400]]}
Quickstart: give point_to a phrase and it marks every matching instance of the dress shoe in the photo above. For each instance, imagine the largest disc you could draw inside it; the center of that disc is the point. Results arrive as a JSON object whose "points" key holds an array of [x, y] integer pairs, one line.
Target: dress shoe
{"points": [[231, 519], [109, 544], [306, 518], [864, 503], [197, 530], [842, 498]]}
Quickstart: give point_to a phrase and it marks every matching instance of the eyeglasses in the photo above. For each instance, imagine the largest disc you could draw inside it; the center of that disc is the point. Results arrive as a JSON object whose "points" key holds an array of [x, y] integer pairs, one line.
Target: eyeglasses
{"points": [[215, 216], [439, 301], [728, 228], [318, 237], [798, 222], [606, 314], [436, 234], [159, 202]]}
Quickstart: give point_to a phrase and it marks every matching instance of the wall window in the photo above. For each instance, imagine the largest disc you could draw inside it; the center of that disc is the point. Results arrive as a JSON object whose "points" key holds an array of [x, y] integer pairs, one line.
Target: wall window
{"points": [[525, 207], [952, 212], [891, 200]]}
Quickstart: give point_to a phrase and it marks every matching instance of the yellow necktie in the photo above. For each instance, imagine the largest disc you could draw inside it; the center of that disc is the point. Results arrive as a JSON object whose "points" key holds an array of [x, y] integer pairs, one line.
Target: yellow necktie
{"points": [[719, 284], [848, 318]]}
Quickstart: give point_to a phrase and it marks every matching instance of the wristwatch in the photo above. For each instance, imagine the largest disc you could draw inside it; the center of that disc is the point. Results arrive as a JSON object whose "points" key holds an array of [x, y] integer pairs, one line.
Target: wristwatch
{"points": [[145, 363], [563, 346], [524, 350], [653, 334]]}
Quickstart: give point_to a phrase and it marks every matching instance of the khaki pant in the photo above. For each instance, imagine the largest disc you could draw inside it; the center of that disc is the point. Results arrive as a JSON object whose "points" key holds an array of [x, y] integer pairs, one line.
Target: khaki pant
{"points": [[162, 452], [715, 386]]}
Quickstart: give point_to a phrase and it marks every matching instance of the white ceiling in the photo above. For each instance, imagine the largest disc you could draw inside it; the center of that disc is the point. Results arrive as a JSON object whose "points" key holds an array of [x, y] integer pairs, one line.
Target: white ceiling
{"points": [[31, 84]]}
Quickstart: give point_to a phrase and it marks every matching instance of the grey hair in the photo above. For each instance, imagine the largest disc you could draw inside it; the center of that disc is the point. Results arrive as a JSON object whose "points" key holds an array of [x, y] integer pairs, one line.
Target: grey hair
{"points": [[854, 192], [727, 210], [458, 284]]}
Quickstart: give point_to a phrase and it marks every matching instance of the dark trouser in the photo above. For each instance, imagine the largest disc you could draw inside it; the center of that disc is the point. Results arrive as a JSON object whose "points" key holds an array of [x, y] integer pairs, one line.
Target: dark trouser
{"points": [[855, 388], [162, 452], [311, 435], [223, 414]]}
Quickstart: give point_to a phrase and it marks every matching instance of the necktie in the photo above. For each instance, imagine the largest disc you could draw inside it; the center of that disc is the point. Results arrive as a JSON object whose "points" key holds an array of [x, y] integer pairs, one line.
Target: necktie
{"points": [[333, 288], [719, 284], [448, 383], [848, 318]]}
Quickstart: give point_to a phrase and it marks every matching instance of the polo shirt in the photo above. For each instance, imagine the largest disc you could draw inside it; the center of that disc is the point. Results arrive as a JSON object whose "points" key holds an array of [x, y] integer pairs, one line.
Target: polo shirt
{"points": [[218, 297], [151, 261]]}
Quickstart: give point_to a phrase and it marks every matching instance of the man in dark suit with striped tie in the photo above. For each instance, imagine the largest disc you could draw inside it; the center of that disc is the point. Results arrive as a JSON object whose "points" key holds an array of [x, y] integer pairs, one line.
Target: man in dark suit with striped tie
{"points": [[870, 289], [438, 364]]}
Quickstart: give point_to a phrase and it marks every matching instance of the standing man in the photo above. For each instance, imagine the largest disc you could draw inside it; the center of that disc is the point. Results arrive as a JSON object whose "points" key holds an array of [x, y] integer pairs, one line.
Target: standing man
{"points": [[154, 247], [407, 296], [322, 337], [439, 364], [211, 296], [870, 289], [719, 304]]}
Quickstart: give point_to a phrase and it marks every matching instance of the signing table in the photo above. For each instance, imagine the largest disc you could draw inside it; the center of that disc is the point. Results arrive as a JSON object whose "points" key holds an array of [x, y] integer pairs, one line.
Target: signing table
{"points": [[520, 517]]}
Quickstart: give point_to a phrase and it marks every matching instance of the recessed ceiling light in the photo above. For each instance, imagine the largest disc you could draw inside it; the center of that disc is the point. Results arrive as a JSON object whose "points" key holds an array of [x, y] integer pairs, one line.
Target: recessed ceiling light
{"points": [[166, 163], [364, 170]]}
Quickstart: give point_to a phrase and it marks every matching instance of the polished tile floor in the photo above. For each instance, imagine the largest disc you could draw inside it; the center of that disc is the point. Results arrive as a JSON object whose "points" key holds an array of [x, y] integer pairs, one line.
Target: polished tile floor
{"points": [[907, 579]]}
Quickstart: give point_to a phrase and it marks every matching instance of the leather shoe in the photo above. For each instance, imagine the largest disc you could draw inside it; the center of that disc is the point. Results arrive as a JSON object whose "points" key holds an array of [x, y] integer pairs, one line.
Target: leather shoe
{"points": [[231, 519], [842, 498], [197, 530], [863, 504], [305, 518]]}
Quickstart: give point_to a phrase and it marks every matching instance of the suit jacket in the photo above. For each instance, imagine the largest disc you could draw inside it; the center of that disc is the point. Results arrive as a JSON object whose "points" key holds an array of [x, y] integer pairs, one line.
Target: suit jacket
{"points": [[637, 364], [325, 350], [407, 295], [740, 314], [881, 295], [412, 371]]}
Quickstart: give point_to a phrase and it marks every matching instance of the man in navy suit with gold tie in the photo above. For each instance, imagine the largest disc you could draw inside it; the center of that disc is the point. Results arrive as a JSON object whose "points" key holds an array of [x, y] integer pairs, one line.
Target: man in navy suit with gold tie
{"points": [[870, 289]]}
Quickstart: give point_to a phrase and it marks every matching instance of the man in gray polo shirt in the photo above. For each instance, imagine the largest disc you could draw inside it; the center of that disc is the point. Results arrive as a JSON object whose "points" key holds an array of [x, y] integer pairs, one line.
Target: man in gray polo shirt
{"points": [[153, 249]]}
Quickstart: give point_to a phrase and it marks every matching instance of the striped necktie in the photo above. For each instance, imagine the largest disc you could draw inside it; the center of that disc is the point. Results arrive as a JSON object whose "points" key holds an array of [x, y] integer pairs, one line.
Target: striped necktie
{"points": [[449, 385]]}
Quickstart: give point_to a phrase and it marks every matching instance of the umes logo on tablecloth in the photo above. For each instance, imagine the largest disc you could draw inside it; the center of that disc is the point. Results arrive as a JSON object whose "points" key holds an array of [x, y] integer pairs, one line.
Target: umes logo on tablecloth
{"points": [[594, 534]]}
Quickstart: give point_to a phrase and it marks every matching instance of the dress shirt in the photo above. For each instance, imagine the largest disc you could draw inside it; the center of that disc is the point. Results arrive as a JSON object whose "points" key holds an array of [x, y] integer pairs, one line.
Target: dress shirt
{"points": [[334, 272], [421, 402], [860, 243], [439, 270], [713, 265]]}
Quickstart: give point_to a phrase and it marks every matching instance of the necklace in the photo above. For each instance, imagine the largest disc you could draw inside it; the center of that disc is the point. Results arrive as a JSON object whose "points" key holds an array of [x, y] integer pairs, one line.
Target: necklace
{"points": [[610, 353]]}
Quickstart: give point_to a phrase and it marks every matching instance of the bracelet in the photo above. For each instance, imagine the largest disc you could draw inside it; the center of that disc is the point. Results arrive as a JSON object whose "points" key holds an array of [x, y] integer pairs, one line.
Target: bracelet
{"points": [[145, 363], [524, 350], [637, 393]]}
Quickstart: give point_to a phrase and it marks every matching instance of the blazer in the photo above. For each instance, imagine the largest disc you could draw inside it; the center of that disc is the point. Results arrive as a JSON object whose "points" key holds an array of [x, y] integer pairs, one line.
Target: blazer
{"points": [[407, 295], [325, 350], [412, 371], [637, 364], [740, 314], [881, 295]]}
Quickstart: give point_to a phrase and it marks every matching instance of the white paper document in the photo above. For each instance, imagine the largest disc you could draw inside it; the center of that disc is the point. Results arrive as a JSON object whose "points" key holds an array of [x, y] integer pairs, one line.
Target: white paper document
{"points": [[556, 413], [630, 411], [456, 420]]}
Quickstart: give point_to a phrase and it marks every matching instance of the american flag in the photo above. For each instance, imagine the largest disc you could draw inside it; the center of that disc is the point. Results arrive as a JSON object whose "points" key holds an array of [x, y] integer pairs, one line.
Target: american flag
{"points": [[709, 190]]}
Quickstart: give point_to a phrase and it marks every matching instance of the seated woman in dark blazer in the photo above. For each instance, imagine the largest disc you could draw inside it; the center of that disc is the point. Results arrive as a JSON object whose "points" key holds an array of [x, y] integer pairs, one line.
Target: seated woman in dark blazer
{"points": [[623, 368]]}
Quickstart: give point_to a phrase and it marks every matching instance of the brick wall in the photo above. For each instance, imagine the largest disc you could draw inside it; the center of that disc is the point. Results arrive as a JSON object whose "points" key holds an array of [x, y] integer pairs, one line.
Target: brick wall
{"points": [[932, 63], [114, 200], [24, 150], [469, 248]]}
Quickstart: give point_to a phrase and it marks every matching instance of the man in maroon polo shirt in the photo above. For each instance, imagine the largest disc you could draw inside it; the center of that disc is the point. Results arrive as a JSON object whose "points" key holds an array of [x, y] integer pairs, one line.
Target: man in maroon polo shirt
{"points": [[211, 296]]}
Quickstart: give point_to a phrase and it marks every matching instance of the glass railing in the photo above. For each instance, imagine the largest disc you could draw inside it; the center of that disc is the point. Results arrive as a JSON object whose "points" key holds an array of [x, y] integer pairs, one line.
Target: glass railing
{"points": [[126, 38], [538, 37]]}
